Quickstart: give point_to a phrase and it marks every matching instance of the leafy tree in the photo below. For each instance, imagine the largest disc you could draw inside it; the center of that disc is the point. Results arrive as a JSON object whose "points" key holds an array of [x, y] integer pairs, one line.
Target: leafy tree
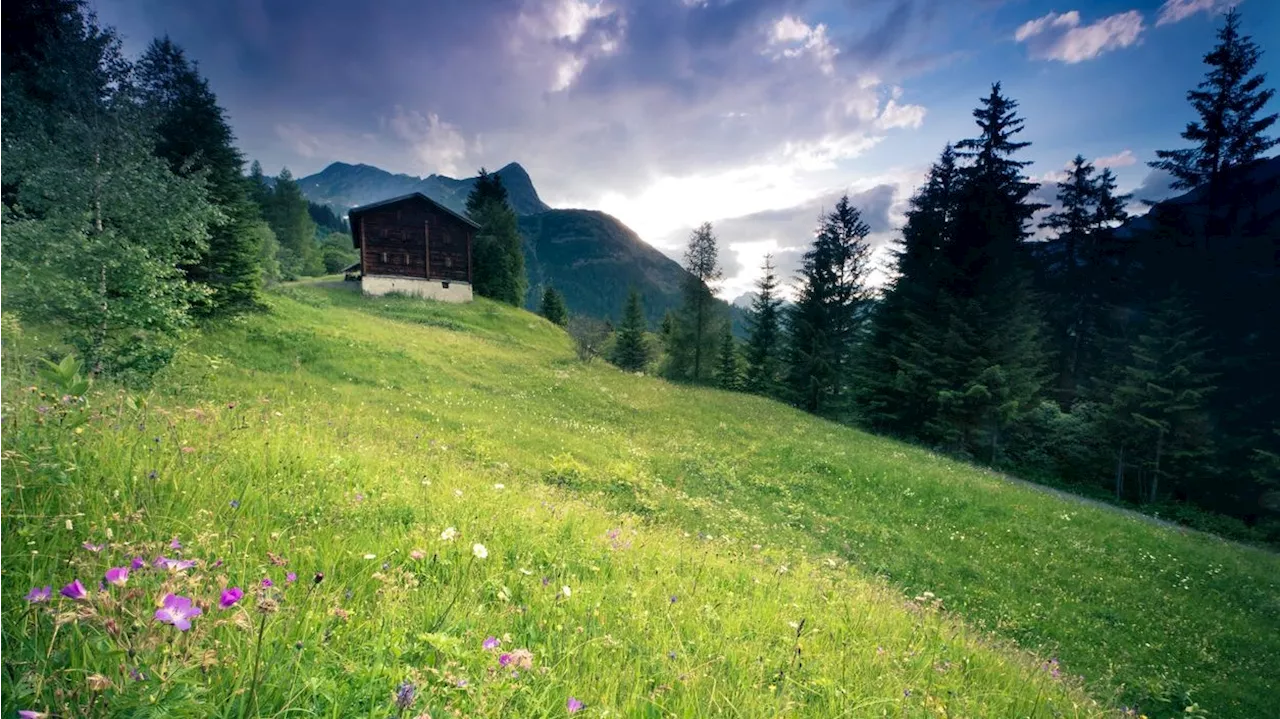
{"points": [[728, 370], [764, 362], [823, 325], [589, 336], [194, 137], [96, 227], [900, 383], [553, 307], [1160, 404], [693, 344], [498, 253], [990, 349], [631, 352]]}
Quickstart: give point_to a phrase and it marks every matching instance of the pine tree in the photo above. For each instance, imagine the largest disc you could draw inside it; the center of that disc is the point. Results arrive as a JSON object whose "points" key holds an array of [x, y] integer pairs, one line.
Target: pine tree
{"points": [[693, 343], [553, 307], [823, 325], [899, 384], [728, 372], [1159, 410], [194, 137], [498, 253], [631, 351], [764, 363], [286, 213], [990, 352]]}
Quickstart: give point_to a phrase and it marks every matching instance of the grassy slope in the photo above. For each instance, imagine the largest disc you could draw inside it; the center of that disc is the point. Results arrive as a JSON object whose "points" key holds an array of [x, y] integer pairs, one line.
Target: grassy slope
{"points": [[375, 396]]}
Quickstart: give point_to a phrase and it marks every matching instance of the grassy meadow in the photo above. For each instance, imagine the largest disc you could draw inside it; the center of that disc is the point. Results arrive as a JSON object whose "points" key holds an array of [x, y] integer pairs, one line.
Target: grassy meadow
{"points": [[455, 517]]}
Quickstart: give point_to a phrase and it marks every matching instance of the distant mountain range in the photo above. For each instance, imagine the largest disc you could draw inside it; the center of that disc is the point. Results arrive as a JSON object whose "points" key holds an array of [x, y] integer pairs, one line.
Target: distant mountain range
{"points": [[591, 257]]}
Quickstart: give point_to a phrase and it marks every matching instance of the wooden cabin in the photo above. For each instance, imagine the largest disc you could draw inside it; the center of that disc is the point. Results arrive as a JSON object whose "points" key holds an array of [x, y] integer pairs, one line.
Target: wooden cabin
{"points": [[415, 245]]}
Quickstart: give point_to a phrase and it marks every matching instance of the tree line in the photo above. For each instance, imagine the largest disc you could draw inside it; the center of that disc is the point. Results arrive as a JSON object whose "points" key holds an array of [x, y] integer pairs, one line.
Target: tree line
{"points": [[1133, 357]]}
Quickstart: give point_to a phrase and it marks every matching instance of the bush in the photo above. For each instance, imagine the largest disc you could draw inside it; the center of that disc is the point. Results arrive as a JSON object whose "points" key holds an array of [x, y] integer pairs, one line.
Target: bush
{"points": [[589, 336]]}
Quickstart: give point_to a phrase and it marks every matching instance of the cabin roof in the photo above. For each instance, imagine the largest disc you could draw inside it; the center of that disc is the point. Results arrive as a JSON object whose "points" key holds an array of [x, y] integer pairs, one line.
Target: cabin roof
{"points": [[354, 211]]}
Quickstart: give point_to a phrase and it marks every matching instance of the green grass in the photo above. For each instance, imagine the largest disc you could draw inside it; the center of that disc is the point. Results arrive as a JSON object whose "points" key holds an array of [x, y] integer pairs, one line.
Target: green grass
{"points": [[369, 426]]}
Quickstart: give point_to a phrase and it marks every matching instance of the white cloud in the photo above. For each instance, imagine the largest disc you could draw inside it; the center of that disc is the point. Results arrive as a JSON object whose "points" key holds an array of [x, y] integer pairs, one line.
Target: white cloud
{"points": [[298, 139], [437, 146], [1120, 159], [790, 37], [1178, 10], [900, 115], [1063, 38]]}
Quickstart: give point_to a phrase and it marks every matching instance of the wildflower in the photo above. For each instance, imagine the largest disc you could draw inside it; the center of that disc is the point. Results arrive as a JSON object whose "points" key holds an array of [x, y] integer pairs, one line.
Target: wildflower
{"points": [[462, 683], [29, 714], [906, 693], [417, 554], [39, 594], [566, 591], [75, 590], [230, 597], [152, 474], [449, 534], [499, 486], [175, 544], [178, 611], [504, 660], [523, 659], [457, 492], [574, 706], [92, 547], [490, 643], [546, 581], [118, 576], [174, 565], [673, 599], [98, 683], [526, 572], [613, 533], [291, 577], [267, 605], [319, 577], [404, 695], [235, 504], [137, 563], [479, 551], [266, 582], [137, 675]]}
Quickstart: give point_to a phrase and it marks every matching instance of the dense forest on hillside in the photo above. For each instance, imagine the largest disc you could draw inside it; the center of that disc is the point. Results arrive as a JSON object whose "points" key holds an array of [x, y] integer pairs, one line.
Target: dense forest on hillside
{"points": [[1128, 358]]}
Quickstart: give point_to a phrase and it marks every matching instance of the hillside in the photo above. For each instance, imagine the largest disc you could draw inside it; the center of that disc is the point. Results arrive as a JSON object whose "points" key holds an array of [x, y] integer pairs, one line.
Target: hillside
{"points": [[730, 552]]}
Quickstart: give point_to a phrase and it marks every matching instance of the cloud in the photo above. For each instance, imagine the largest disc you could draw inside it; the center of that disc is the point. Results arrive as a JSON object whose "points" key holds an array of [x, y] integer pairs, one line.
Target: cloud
{"points": [[1123, 158], [432, 142], [1156, 186], [1178, 10], [1062, 38], [900, 115]]}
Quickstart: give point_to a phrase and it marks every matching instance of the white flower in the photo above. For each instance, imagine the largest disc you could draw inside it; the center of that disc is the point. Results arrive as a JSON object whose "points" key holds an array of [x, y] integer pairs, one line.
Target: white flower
{"points": [[370, 556], [565, 590], [449, 534], [526, 572], [480, 551], [499, 486], [457, 492]]}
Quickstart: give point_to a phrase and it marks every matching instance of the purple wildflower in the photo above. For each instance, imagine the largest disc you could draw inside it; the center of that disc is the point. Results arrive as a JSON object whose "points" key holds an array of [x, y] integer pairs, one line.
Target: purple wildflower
{"points": [[39, 594], [178, 611], [92, 547], [137, 563], [152, 474], [906, 692], [266, 582], [230, 597], [673, 599], [404, 695], [462, 683], [75, 590], [319, 577], [29, 714], [573, 705], [137, 675], [235, 504], [174, 565], [291, 577], [491, 643], [504, 660], [175, 544], [118, 576]]}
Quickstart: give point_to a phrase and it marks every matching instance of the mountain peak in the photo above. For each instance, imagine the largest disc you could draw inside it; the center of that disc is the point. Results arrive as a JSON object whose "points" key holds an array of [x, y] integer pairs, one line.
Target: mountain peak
{"points": [[345, 185]]}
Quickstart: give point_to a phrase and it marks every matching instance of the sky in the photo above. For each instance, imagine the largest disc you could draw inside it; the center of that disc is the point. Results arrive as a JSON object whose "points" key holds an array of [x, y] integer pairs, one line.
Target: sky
{"points": [[754, 115]]}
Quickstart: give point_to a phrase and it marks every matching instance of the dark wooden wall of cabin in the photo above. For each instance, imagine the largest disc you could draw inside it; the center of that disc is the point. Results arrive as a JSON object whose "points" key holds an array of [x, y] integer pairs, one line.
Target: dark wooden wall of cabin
{"points": [[396, 238]]}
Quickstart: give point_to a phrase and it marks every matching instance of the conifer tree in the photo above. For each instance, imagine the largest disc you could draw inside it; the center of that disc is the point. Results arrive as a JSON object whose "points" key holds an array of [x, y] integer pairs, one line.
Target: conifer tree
{"points": [[553, 307], [823, 325], [194, 137], [1159, 409], [990, 353], [899, 384], [286, 213], [728, 372], [764, 334], [693, 343], [498, 254], [631, 351]]}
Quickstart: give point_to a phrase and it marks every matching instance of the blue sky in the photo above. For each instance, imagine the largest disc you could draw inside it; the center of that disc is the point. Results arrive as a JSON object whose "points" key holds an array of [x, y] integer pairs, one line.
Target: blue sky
{"points": [[752, 114]]}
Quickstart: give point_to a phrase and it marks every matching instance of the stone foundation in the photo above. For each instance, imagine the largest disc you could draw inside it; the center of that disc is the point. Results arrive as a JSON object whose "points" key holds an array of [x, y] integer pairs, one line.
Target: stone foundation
{"points": [[430, 289]]}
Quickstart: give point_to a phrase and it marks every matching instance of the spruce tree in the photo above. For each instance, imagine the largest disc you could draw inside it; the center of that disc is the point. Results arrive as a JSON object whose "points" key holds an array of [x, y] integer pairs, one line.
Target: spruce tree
{"points": [[823, 325], [631, 351], [899, 383], [1159, 409], [295, 232], [728, 372], [764, 329], [553, 307], [498, 254], [990, 352], [693, 343], [194, 137]]}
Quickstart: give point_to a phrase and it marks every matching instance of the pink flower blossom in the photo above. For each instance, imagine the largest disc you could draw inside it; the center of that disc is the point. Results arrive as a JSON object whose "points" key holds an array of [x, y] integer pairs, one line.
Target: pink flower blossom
{"points": [[178, 611]]}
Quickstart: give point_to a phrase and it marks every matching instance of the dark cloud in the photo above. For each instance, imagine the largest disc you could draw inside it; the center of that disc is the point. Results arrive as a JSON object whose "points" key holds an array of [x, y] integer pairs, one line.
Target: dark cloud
{"points": [[578, 92]]}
